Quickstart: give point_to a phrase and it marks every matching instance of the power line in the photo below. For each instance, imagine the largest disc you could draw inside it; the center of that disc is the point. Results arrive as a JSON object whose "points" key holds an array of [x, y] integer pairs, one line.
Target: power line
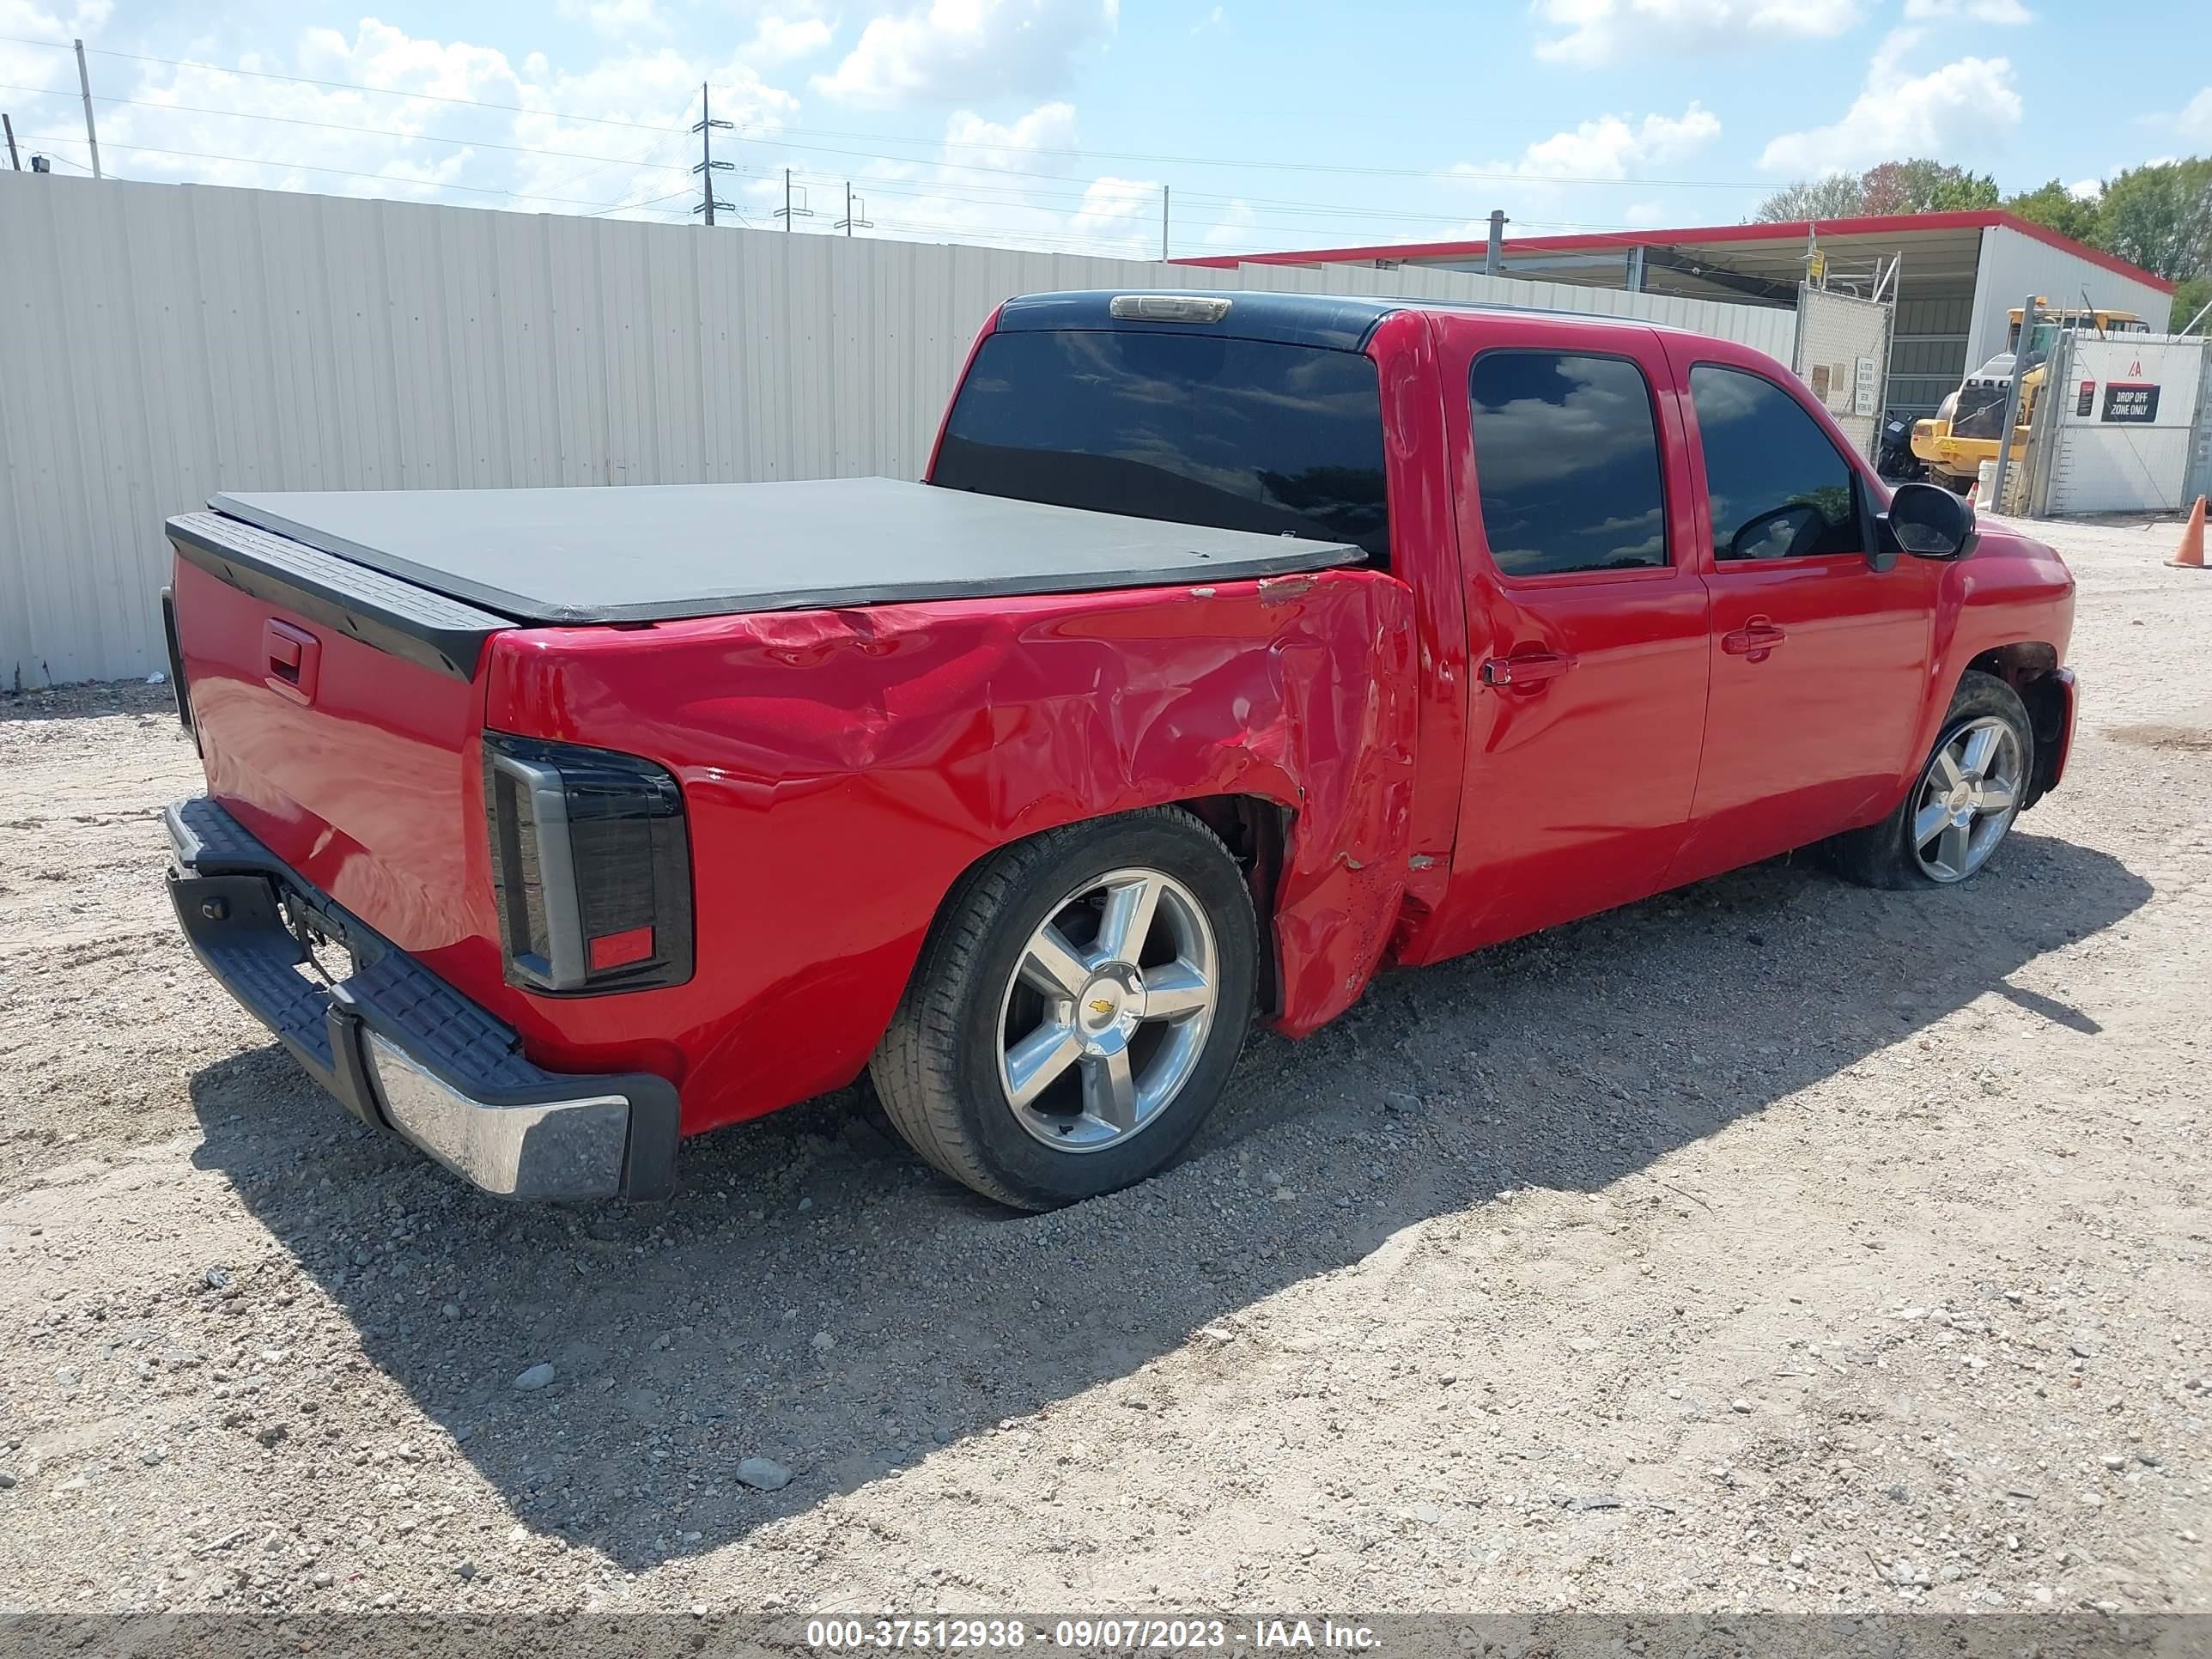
{"points": [[1470, 175]]}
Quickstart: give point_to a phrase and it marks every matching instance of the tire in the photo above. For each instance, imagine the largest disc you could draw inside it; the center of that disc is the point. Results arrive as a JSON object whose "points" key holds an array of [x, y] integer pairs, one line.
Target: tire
{"points": [[992, 993], [1894, 853]]}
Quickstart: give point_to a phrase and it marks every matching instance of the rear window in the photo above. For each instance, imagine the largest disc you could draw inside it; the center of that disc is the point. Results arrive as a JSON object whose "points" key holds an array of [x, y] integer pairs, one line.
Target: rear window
{"points": [[1238, 435]]}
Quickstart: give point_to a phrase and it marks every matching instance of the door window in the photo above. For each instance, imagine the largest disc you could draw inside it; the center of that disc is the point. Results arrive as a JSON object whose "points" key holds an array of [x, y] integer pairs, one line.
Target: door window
{"points": [[1778, 488], [1566, 451]]}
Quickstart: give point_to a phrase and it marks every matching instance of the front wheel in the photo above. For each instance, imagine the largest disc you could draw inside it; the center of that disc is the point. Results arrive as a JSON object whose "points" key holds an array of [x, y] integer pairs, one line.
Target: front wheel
{"points": [[1076, 1009], [1963, 803]]}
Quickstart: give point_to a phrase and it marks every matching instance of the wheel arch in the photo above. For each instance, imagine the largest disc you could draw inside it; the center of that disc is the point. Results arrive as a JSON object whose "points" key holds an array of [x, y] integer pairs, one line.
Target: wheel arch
{"points": [[2031, 668]]}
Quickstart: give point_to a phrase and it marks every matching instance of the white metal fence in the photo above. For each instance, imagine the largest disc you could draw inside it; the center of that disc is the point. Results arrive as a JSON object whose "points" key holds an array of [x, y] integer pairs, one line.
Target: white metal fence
{"points": [[159, 343]]}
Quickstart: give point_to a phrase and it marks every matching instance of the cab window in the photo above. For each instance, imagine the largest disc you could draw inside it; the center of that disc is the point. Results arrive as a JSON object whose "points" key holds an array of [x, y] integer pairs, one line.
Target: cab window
{"points": [[1567, 452], [1778, 488]]}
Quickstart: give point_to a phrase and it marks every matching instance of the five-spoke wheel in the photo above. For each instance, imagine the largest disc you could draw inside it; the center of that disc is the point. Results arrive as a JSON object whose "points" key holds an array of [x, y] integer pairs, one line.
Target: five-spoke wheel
{"points": [[1967, 799], [1973, 786], [1108, 1010], [1077, 1009]]}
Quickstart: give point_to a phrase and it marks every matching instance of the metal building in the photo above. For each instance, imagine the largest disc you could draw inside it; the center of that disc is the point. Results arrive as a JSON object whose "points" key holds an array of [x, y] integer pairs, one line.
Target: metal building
{"points": [[1958, 275], [159, 343]]}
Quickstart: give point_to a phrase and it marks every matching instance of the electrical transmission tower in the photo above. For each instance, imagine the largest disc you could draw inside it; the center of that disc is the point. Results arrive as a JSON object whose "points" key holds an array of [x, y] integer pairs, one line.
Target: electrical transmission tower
{"points": [[709, 166]]}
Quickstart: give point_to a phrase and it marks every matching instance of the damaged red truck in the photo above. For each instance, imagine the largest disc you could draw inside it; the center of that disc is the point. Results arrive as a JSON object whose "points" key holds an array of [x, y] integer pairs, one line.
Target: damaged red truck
{"points": [[1235, 646]]}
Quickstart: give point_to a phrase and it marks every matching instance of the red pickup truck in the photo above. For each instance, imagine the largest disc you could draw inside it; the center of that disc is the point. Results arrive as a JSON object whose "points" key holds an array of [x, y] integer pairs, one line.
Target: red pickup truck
{"points": [[1235, 646]]}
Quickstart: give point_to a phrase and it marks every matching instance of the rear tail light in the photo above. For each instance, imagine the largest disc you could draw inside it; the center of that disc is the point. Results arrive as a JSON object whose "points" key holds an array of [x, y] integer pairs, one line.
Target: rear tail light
{"points": [[591, 866]]}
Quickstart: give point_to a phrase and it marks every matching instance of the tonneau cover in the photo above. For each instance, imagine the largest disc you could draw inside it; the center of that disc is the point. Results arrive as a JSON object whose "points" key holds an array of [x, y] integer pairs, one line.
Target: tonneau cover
{"points": [[642, 553]]}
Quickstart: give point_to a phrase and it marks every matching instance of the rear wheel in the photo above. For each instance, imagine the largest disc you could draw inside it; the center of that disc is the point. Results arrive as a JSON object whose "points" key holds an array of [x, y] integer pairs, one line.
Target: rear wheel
{"points": [[1076, 1009], [1963, 803], [1956, 482]]}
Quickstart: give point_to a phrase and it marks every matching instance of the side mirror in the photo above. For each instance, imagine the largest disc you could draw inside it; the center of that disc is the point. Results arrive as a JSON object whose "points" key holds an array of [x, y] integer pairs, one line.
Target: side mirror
{"points": [[1927, 521]]}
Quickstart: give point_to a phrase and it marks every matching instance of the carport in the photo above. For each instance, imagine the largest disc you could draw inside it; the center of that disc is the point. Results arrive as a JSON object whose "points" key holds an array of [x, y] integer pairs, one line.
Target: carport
{"points": [[1958, 275]]}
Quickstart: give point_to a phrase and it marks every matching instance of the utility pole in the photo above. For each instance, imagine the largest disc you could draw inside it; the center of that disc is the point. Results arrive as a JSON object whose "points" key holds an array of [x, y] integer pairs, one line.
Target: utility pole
{"points": [[707, 164], [1493, 257], [1995, 503], [84, 84], [847, 224], [13, 160], [1164, 224], [786, 212]]}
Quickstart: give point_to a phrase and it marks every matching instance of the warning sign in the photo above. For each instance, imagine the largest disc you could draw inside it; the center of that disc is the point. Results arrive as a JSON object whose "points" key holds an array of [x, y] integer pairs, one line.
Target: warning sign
{"points": [[2130, 402], [2085, 404]]}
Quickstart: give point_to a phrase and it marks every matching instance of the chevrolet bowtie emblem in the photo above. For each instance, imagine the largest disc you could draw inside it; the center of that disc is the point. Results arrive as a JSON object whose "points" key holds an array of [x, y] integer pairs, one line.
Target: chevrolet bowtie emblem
{"points": [[1101, 1006]]}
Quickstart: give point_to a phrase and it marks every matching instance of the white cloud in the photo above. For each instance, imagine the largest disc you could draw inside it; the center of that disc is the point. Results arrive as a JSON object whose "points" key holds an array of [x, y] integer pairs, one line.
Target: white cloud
{"points": [[2195, 123], [1947, 111], [621, 19], [1235, 227], [335, 140], [1529, 188], [778, 39], [2005, 13], [2086, 190], [1597, 31], [945, 49], [969, 139]]}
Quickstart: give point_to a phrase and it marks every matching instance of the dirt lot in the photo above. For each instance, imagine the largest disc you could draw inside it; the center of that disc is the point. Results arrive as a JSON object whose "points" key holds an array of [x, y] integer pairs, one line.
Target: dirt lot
{"points": [[1774, 1244]]}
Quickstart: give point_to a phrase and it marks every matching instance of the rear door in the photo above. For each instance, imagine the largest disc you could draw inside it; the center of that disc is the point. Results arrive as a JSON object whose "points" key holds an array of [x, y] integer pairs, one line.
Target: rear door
{"points": [[1819, 661], [1586, 621]]}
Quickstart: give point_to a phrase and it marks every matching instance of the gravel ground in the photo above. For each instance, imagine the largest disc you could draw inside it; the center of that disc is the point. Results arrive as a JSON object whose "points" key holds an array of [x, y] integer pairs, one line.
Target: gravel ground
{"points": [[1774, 1244]]}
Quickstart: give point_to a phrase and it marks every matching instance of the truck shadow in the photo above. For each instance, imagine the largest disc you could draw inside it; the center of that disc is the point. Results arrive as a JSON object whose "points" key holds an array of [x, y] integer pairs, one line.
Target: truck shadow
{"points": [[816, 1296]]}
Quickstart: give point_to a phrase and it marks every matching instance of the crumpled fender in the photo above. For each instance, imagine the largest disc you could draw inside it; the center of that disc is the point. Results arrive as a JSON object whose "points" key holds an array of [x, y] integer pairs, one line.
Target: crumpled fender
{"points": [[843, 768]]}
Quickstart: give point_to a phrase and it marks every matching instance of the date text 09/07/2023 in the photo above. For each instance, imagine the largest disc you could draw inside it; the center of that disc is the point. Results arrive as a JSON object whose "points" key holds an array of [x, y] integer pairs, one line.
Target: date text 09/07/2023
{"points": [[845, 1635]]}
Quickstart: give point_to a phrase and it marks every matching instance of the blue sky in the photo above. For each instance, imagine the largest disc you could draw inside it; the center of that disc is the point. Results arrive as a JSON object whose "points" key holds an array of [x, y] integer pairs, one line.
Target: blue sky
{"points": [[1057, 122]]}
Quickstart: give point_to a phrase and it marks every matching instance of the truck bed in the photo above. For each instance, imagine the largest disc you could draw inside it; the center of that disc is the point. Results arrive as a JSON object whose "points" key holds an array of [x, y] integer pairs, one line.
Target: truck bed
{"points": [[649, 553]]}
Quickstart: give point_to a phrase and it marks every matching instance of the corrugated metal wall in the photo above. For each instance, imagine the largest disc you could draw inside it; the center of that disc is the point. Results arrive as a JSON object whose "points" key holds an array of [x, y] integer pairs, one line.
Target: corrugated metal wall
{"points": [[159, 343], [2013, 266]]}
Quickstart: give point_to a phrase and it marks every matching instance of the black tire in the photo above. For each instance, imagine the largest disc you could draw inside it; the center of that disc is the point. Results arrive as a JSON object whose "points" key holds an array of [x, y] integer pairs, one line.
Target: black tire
{"points": [[1883, 854], [1956, 482], [938, 1070]]}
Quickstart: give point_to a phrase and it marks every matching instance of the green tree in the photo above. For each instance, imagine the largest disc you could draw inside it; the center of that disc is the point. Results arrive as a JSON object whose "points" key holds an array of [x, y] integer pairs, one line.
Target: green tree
{"points": [[1924, 185], [2160, 217], [1836, 197], [2059, 208], [2193, 295]]}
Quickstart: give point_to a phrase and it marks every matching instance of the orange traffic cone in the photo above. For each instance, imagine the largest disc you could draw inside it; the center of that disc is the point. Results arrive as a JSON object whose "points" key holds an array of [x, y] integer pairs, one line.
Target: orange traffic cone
{"points": [[2189, 556]]}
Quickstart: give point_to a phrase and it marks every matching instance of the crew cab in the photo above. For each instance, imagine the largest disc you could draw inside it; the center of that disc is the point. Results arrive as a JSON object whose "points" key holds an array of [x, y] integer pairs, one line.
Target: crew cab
{"points": [[1234, 646]]}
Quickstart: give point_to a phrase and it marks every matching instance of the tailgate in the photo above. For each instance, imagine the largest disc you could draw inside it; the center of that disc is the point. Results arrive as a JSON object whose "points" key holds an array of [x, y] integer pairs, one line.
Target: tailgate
{"points": [[339, 714]]}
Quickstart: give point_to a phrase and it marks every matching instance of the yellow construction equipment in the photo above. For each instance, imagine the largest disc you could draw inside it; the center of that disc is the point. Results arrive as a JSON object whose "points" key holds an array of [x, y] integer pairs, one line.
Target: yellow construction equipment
{"points": [[1963, 433]]}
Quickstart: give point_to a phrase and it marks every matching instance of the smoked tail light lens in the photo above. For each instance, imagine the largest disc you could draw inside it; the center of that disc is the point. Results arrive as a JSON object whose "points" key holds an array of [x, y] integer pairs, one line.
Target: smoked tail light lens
{"points": [[591, 867]]}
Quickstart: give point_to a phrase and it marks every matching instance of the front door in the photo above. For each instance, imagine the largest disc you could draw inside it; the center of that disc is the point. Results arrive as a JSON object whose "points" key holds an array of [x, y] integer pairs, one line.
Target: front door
{"points": [[1587, 626], [1819, 661]]}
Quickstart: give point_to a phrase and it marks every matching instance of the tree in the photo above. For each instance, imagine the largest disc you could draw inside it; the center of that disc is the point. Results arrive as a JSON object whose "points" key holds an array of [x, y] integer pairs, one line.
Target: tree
{"points": [[1923, 186], [2160, 217], [1836, 197], [2192, 296], [2058, 207]]}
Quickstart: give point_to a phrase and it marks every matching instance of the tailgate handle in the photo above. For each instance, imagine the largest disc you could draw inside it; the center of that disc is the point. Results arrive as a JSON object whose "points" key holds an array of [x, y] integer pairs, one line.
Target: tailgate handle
{"points": [[293, 658]]}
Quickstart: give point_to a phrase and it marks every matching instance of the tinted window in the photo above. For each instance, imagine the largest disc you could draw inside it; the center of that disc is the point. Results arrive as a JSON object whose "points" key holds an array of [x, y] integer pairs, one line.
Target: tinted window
{"points": [[1779, 489], [1241, 434], [1567, 454]]}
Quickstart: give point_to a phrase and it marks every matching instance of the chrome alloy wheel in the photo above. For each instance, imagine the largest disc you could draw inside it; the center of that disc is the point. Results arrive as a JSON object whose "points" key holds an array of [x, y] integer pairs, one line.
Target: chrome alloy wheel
{"points": [[1108, 1010], [1968, 796]]}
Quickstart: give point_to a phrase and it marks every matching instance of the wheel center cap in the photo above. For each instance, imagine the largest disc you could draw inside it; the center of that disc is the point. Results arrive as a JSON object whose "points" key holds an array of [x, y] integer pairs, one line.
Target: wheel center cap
{"points": [[1960, 799], [1108, 1010]]}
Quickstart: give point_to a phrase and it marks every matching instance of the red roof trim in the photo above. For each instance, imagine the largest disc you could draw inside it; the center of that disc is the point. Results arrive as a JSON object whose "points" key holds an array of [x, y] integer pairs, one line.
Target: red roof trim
{"points": [[1795, 230]]}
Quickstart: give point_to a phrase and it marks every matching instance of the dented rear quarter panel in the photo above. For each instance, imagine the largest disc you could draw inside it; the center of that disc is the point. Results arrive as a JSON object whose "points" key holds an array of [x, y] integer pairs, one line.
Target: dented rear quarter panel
{"points": [[842, 768]]}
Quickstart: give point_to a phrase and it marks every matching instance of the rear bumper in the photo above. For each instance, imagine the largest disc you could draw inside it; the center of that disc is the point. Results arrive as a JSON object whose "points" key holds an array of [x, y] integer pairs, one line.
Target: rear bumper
{"points": [[399, 1047]]}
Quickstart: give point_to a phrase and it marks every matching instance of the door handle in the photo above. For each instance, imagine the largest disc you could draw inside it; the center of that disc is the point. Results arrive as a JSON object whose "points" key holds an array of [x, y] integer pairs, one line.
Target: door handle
{"points": [[1532, 669], [1753, 640], [292, 659]]}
